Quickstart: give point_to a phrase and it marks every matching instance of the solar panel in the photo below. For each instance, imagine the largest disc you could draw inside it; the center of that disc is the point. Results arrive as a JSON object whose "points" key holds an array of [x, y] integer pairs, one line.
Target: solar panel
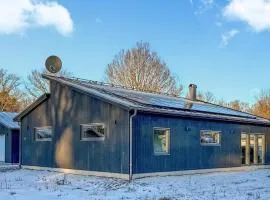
{"points": [[163, 101]]}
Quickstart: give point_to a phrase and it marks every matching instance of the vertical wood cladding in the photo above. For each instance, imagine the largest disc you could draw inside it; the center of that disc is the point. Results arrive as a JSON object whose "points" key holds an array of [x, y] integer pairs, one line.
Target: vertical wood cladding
{"points": [[65, 110], [186, 152]]}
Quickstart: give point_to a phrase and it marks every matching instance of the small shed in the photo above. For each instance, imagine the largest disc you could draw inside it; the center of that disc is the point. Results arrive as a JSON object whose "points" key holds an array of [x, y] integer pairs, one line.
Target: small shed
{"points": [[9, 138]]}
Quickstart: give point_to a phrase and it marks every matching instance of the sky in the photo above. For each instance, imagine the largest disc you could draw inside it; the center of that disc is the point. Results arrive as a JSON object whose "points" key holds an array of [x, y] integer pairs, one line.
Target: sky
{"points": [[220, 45]]}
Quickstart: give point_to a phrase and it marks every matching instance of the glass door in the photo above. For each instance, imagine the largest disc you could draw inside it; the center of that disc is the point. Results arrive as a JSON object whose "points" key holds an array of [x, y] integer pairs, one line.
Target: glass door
{"points": [[252, 149], [243, 148], [261, 149]]}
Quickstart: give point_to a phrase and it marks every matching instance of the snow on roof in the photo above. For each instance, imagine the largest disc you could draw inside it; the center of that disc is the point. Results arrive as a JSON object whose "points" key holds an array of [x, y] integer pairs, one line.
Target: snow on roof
{"points": [[6, 119]]}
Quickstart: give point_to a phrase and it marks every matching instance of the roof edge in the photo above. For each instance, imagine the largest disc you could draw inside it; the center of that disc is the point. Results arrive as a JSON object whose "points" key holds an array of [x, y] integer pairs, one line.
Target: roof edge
{"points": [[200, 115], [125, 104], [32, 106]]}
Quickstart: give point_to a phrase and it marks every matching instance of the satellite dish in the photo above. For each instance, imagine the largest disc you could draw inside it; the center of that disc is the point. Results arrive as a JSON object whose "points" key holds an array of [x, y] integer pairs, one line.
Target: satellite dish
{"points": [[53, 64]]}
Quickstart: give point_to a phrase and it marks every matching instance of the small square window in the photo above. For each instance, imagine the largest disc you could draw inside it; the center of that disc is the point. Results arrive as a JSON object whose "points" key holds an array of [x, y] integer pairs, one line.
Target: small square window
{"points": [[161, 141], [43, 133], [210, 137], [92, 132]]}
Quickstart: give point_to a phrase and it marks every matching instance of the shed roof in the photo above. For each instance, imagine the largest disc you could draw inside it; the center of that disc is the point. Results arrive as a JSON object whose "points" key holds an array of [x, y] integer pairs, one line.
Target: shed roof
{"points": [[159, 103], [6, 119]]}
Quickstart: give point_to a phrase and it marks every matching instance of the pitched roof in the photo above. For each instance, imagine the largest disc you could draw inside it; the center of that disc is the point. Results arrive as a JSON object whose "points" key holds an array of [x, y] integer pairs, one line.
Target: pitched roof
{"points": [[159, 103], [29, 108], [6, 119]]}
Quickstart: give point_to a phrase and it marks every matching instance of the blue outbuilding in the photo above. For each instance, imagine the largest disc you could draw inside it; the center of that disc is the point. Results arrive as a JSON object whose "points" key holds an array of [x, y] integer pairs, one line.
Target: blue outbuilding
{"points": [[9, 138], [95, 128]]}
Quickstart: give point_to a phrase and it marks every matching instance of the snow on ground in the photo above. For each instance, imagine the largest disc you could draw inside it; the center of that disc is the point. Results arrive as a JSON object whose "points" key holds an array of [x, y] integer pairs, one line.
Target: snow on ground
{"points": [[41, 185]]}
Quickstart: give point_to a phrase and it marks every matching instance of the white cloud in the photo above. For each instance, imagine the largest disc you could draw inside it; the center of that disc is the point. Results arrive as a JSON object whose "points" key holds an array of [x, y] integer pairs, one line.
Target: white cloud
{"points": [[201, 6], [227, 36], [256, 13], [18, 15]]}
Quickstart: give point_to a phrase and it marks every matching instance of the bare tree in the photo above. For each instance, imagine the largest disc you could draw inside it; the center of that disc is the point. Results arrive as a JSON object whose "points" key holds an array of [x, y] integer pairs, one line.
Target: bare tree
{"points": [[142, 69], [9, 91], [236, 105], [36, 85], [206, 96]]}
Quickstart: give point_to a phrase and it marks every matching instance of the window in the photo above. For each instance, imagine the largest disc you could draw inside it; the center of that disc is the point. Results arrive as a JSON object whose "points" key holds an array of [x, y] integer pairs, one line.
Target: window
{"points": [[161, 141], [92, 132], [210, 137], [43, 133]]}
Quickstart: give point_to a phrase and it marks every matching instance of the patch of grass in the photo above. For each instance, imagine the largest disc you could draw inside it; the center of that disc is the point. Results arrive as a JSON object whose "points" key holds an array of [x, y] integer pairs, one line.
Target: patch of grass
{"points": [[164, 198], [62, 181]]}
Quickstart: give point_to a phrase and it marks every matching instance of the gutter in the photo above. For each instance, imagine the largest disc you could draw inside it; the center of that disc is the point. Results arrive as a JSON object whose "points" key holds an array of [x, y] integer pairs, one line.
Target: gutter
{"points": [[130, 142]]}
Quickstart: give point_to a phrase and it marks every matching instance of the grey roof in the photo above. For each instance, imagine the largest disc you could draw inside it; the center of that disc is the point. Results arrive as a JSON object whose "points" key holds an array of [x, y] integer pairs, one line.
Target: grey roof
{"points": [[6, 119], [159, 103]]}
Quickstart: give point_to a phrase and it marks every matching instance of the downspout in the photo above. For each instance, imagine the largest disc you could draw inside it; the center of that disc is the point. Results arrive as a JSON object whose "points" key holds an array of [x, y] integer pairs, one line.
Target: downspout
{"points": [[130, 142], [20, 143]]}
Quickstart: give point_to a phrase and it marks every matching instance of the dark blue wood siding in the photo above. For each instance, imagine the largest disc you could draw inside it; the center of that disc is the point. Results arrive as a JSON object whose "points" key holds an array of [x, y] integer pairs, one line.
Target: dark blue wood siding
{"points": [[186, 152], [65, 110]]}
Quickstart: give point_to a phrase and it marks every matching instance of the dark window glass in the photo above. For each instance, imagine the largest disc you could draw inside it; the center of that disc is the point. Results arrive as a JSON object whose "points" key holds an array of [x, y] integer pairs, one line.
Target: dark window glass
{"points": [[92, 131]]}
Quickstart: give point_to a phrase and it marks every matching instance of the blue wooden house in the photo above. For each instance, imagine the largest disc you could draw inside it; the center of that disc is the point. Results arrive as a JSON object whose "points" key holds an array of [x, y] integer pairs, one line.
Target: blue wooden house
{"points": [[88, 127]]}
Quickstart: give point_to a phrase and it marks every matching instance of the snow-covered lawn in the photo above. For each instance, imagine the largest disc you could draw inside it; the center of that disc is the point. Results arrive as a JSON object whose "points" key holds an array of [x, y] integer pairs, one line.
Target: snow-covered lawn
{"points": [[41, 185]]}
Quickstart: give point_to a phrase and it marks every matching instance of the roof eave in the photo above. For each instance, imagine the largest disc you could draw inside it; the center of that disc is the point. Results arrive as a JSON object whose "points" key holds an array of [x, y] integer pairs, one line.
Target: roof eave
{"points": [[124, 104], [28, 109], [205, 116]]}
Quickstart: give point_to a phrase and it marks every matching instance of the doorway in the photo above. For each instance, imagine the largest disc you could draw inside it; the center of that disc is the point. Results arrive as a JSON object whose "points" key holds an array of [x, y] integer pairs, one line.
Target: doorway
{"points": [[252, 149], [2, 147], [15, 146]]}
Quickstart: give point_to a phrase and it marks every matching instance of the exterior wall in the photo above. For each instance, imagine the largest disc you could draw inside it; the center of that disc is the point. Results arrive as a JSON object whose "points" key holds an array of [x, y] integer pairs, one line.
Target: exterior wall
{"points": [[5, 131], [65, 110], [186, 152], [8, 142], [8, 147]]}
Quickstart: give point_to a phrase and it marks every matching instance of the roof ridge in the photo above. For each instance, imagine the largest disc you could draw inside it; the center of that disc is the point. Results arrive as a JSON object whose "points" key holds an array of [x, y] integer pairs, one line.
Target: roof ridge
{"points": [[121, 86]]}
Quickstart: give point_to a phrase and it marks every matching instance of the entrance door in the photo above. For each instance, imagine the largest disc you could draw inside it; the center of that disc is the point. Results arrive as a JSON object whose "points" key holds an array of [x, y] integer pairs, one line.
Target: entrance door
{"points": [[15, 144], [2, 148], [243, 148], [261, 149], [253, 149]]}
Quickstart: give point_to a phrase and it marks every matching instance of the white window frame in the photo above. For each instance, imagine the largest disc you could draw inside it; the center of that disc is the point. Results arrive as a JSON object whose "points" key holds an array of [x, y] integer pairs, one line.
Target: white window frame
{"points": [[210, 144], [44, 139], [168, 142], [82, 126]]}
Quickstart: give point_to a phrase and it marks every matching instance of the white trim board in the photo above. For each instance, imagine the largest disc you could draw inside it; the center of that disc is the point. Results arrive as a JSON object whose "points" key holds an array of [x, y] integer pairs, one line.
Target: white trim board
{"points": [[2, 147], [78, 172], [201, 171]]}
